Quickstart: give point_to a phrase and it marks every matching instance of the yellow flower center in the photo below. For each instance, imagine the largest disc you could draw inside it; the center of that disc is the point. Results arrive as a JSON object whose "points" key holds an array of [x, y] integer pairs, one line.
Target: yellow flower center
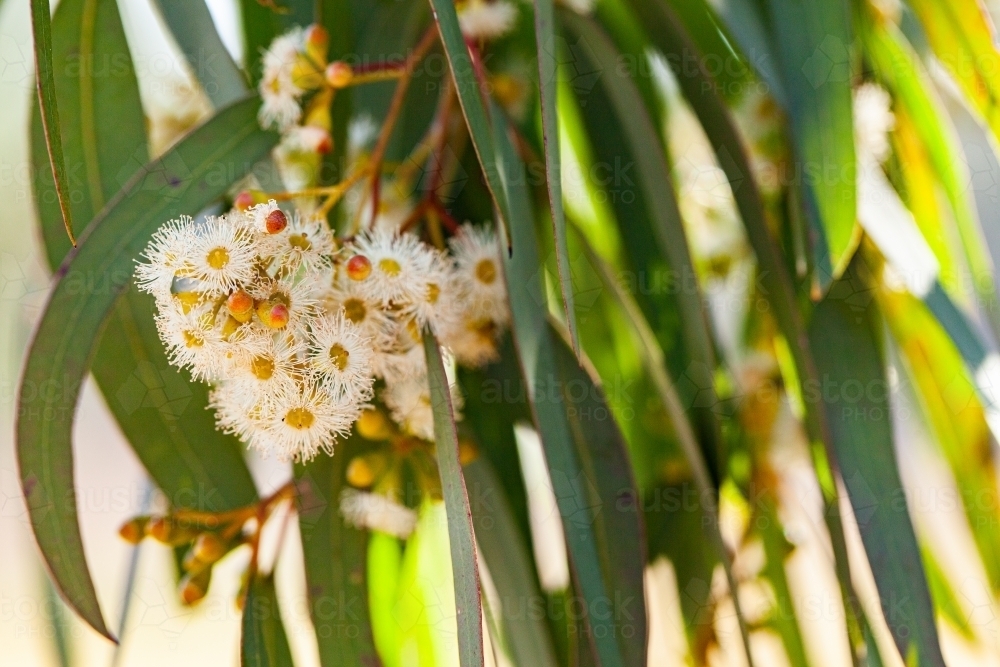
{"points": [[389, 266], [355, 311], [299, 241], [433, 292], [299, 418], [193, 339], [338, 355], [217, 258], [262, 367], [486, 271]]}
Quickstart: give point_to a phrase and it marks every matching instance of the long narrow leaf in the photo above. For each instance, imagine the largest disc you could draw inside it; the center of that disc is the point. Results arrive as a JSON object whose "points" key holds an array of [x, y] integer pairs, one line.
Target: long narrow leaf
{"points": [[962, 37], [654, 182], [815, 65], [510, 566], [470, 97], [41, 25], [548, 64], [263, 640], [468, 602], [183, 181], [848, 338], [700, 91], [335, 556], [537, 353]]}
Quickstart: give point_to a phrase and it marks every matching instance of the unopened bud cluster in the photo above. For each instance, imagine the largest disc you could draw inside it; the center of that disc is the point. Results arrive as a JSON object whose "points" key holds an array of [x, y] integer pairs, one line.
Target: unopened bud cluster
{"points": [[293, 331]]}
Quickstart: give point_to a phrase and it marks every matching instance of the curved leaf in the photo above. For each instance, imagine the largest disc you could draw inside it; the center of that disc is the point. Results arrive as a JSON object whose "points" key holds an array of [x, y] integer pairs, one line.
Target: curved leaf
{"points": [[263, 642], [699, 90], [652, 356], [962, 37], [465, 569], [160, 410], [188, 177], [847, 337]]}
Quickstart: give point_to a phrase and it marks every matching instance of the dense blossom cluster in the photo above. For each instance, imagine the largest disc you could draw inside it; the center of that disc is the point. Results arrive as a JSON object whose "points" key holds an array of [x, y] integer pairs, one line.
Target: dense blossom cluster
{"points": [[293, 331]]}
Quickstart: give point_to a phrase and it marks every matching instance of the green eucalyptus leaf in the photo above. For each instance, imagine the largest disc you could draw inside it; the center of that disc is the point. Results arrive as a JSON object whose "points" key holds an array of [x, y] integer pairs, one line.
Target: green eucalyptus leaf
{"points": [[816, 70], [465, 569], [263, 642], [601, 570], [510, 567], [548, 65], [160, 410], [335, 557], [184, 180], [848, 337]]}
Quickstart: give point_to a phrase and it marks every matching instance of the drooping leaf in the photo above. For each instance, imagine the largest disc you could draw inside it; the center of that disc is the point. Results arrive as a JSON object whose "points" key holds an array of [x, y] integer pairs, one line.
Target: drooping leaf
{"points": [[699, 89], [160, 410], [632, 144], [599, 574], [468, 603], [653, 358], [548, 65], [470, 96], [510, 567], [847, 336], [263, 642], [335, 557], [41, 25], [816, 69], [191, 25], [184, 180]]}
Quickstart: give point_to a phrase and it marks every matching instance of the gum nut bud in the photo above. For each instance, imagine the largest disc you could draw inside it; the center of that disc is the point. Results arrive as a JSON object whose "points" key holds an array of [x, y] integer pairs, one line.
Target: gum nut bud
{"points": [[209, 548], [373, 425], [160, 528], [194, 586], [240, 305], [191, 562], [359, 267], [339, 74], [359, 473], [467, 452], [317, 40], [276, 221], [133, 531], [273, 314], [243, 201]]}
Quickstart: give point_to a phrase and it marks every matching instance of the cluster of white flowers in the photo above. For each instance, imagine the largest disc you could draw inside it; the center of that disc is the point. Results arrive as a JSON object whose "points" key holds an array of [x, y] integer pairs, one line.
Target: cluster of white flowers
{"points": [[293, 331]]}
